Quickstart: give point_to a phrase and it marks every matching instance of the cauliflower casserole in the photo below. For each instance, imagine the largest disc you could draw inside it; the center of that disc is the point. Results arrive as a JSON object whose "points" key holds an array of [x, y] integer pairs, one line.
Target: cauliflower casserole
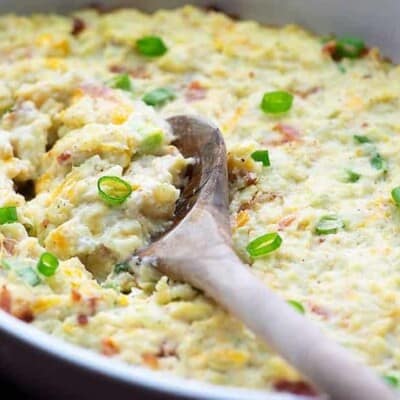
{"points": [[89, 174]]}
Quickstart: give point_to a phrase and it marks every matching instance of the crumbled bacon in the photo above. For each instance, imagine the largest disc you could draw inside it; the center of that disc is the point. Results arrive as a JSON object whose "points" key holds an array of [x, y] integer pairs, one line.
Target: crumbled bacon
{"points": [[259, 197], [285, 222], [329, 48], [308, 92], [319, 310], [109, 347], [93, 303], [299, 387], [167, 349], [139, 72], [288, 132], [5, 299], [82, 319], [9, 245], [150, 360], [195, 91], [45, 223], [76, 296], [97, 91], [78, 26], [24, 313], [64, 156]]}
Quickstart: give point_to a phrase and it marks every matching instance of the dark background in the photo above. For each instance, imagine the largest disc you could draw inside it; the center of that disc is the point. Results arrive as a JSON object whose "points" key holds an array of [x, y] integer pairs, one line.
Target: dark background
{"points": [[12, 392]]}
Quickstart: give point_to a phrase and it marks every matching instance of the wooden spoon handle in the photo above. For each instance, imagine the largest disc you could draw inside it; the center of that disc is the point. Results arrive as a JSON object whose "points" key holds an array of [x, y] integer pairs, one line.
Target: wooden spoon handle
{"points": [[331, 368]]}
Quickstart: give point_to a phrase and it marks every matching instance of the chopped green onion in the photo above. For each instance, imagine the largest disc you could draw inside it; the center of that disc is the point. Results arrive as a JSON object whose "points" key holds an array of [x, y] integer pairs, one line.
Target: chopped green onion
{"points": [[151, 46], [297, 306], [378, 162], [122, 82], [158, 97], [261, 156], [8, 215], [29, 275], [276, 102], [349, 47], [121, 267], [361, 139], [264, 244], [152, 142], [113, 190], [47, 264], [396, 195], [352, 176], [328, 224], [391, 380]]}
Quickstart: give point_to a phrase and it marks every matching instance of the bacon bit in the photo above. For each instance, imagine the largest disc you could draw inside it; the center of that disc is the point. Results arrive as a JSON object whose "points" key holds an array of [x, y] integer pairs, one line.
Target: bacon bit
{"points": [[167, 349], [242, 217], [252, 74], [289, 133], [9, 245], [76, 296], [82, 319], [93, 303], [329, 48], [195, 91], [364, 124], [300, 387], [97, 91], [319, 311], [150, 360], [139, 72], [285, 222], [78, 26], [64, 156], [321, 240], [5, 299], [24, 313], [308, 92], [45, 223], [259, 198], [109, 347]]}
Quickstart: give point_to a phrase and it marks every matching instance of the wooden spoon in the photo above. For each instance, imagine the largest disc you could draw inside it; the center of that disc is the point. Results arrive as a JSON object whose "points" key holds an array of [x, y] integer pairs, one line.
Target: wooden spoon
{"points": [[198, 250]]}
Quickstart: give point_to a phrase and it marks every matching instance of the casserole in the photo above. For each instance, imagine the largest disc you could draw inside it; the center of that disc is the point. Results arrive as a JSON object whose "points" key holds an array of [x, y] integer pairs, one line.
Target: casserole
{"points": [[271, 395]]}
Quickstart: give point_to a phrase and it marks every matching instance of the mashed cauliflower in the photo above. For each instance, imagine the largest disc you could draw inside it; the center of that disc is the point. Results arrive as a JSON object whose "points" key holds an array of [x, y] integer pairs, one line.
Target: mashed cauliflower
{"points": [[71, 98]]}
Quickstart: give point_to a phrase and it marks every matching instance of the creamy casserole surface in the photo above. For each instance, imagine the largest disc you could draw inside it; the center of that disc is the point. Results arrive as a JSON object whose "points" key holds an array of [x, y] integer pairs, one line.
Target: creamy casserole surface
{"points": [[65, 123]]}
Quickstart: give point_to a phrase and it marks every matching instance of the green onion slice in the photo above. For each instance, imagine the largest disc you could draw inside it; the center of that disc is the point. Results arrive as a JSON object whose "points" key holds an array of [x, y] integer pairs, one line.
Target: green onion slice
{"points": [[378, 162], [47, 264], [158, 97], [8, 215], [297, 306], [261, 156], [352, 176], [350, 47], [391, 380], [276, 102], [151, 46], [264, 244], [121, 267], [396, 195], [29, 275], [329, 224], [361, 139], [151, 142], [122, 82], [113, 190]]}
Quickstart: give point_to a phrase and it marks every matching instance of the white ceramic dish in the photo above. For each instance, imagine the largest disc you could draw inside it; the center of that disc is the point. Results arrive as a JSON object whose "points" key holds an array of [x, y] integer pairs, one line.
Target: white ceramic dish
{"points": [[58, 370]]}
